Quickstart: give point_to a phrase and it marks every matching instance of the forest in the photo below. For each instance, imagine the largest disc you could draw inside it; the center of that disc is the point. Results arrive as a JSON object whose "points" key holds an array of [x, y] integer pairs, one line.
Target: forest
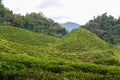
{"points": [[34, 47], [106, 27]]}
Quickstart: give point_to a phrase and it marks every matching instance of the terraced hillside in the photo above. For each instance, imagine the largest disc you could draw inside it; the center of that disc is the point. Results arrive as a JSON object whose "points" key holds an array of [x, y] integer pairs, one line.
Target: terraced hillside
{"points": [[22, 59], [25, 37]]}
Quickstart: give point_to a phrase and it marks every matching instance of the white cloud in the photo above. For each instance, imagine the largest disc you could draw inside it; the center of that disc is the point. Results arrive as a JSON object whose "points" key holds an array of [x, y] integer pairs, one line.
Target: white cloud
{"points": [[79, 11], [49, 4], [22, 6]]}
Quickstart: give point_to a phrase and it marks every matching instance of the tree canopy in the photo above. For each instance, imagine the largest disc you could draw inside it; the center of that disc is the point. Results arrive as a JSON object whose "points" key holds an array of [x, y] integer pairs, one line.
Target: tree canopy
{"points": [[106, 27]]}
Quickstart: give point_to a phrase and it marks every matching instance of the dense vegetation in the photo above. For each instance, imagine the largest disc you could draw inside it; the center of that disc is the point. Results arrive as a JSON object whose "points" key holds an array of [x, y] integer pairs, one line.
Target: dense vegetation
{"points": [[106, 27], [82, 40], [27, 55], [25, 61], [36, 22], [25, 37]]}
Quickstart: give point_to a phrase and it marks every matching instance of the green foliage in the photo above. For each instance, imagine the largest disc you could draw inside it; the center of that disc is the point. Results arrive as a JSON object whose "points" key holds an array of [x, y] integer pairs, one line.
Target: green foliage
{"points": [[81, 40], [6, 16], [17, 21], [114, 37], [20, 59], [5, 47], [38, 23], [106, 27], [25, 37], [117, 53], [21, 65]]}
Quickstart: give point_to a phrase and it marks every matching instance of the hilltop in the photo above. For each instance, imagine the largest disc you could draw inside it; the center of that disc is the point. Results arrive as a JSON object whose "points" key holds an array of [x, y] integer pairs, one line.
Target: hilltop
{"points": [[81, 40]]}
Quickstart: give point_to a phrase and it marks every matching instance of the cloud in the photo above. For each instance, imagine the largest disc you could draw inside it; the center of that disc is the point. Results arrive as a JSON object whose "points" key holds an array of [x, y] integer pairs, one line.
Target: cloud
{"points": [[80, 11], [61, 19], [49, 4]]}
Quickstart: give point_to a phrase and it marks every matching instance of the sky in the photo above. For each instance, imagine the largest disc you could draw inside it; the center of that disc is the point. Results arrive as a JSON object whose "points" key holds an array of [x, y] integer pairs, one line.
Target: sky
{"points": [[79, 11]]}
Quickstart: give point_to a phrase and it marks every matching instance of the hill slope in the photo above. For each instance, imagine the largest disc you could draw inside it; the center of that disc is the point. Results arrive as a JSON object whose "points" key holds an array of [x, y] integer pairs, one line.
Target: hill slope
{"points": [[36, 64], [24, 36], [81, 40]]}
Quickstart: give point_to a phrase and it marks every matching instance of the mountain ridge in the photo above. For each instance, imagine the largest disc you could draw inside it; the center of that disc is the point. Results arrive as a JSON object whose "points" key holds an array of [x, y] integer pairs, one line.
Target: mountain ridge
{"points": [[70, 25]]}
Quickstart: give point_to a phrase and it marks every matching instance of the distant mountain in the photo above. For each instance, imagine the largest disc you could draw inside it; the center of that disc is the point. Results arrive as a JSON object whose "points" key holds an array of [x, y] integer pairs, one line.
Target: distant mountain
{"points": [[70, 25]]}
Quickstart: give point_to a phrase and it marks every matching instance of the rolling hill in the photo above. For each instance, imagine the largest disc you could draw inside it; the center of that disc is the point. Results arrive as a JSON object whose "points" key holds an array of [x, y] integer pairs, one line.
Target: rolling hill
{"points": [[22, 59], [81, 40], [25, 37]]}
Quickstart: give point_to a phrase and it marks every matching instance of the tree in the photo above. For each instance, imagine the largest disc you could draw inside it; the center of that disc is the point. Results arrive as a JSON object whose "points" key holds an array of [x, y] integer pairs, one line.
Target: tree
{"points": [[39, 23], [17, 21], [106, 27]]}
